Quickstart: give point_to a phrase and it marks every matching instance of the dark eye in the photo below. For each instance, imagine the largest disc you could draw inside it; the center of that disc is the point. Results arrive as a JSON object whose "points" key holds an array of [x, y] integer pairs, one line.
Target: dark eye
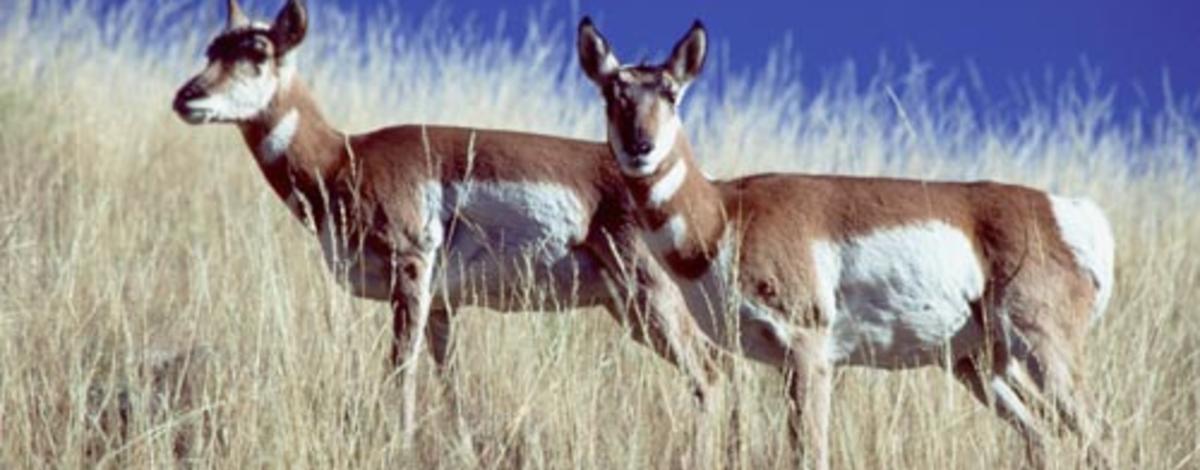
{"points": [[667, 94], [256, 50]]}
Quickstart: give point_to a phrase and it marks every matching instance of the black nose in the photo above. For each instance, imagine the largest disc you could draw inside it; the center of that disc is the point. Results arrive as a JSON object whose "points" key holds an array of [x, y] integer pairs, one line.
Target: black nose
{"points": [[641, 147], [188, 93]]}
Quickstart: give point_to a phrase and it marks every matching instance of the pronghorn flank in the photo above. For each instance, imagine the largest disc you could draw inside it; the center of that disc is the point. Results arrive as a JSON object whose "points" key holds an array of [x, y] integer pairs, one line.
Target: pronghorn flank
{"points": [[996, 282], [430, 218]]}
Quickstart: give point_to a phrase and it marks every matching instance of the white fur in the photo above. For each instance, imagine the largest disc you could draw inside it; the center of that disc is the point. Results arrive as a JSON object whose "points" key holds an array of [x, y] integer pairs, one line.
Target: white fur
{"points": [[897, 297], [1086, 231], [665, 188], [669, 236], [609, 64], [287, 70], [501, 233], [495, 236], [244, 99], [664, 142], [433, 215], [827, 262], [276, 143], [1008, 399], [902, 294]]}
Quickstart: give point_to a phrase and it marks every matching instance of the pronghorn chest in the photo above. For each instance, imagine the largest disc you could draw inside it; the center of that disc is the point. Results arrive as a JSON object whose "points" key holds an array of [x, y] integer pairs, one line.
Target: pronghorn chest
{"points": [[358, 262]]}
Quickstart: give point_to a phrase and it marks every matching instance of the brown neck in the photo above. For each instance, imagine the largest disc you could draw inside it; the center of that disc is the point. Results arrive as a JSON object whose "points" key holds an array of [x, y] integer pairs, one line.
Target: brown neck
{"points": [[296, 149], [697, 201]]}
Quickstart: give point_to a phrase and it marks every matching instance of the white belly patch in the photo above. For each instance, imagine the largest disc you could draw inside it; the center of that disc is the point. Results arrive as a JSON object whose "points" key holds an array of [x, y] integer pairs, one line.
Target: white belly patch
{"points": [[901, 295], [501, 234], [505, 233]]}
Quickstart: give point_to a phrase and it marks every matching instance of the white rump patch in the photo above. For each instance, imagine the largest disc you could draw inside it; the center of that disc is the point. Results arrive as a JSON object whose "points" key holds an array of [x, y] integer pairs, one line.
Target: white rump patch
{"points": [[665, 188], [1086, 231], [898, 297], [276, 143]]}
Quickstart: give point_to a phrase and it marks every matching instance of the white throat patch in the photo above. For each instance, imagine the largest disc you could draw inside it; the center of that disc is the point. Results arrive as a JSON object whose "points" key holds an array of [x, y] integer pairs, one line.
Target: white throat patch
{"points": [[276, 143], [665, 188]]}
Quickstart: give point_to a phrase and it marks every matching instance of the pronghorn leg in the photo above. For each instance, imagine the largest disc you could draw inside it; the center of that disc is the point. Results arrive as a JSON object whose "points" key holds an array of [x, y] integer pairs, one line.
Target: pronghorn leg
{"points": [[441, 345], [732, 397], [659, 320], [410, 303], [998, 394], [1057, 375], [647, 302], [438, 335], [809, 379]]}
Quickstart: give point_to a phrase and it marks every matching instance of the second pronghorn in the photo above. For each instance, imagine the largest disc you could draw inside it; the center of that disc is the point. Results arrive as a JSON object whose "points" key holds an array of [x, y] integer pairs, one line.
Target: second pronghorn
{"points": [[996, 282]]}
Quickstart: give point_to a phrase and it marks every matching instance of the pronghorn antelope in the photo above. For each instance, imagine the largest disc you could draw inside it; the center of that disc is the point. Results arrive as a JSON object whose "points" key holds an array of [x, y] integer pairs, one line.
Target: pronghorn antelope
{"points": [[434, 217], [997, 282]]}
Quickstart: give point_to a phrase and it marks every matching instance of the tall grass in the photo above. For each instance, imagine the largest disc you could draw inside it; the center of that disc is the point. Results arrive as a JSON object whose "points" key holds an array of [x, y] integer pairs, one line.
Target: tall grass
{"points": [[156, 300]]}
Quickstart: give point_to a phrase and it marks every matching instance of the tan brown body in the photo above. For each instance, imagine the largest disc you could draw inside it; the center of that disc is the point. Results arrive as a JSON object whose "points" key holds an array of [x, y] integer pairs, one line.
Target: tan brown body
{"points": [[808, 272], [431, 218]]}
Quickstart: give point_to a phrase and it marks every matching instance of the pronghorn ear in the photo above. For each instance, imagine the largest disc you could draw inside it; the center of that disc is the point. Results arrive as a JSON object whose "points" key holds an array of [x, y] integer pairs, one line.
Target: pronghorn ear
{"points": [[687, 59], [291, 24], [595, 55], [237, 18]]}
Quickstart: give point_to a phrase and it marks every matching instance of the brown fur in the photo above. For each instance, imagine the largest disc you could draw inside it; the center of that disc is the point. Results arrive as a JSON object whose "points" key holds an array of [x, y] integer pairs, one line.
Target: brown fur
{"points": [[368, 187], [1034, 287]]}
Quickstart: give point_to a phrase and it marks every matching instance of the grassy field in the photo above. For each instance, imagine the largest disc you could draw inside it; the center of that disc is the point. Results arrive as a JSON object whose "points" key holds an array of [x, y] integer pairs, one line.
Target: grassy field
{"points": [[155, 297]]}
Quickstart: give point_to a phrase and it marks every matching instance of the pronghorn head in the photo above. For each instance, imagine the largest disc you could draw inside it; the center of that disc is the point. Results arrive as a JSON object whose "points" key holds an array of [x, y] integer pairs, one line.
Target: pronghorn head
{"points": [[641, 100], [248, 64]]}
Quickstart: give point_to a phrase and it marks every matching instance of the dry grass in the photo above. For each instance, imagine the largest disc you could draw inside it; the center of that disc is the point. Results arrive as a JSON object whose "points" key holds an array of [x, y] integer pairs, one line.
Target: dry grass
{"points": [[128, 239]]}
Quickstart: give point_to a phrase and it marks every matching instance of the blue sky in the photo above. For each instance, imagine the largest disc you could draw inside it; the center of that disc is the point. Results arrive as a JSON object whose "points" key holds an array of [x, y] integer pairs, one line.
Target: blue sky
{"points": [[1016, 46], [1131, 42]]}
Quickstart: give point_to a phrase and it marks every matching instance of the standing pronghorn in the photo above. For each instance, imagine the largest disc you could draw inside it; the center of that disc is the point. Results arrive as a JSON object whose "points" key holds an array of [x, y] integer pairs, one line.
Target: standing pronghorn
{"points": [[822, 271], [433, 217]]}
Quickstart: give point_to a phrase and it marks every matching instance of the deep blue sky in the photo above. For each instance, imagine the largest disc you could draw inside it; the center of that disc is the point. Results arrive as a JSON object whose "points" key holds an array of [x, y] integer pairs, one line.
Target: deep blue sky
{"points": [[1131, 42], [1011, 43]]}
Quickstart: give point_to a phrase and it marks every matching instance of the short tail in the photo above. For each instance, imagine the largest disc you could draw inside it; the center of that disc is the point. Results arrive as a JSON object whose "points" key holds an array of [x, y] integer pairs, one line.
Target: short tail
{"points": [[1087, 232]]}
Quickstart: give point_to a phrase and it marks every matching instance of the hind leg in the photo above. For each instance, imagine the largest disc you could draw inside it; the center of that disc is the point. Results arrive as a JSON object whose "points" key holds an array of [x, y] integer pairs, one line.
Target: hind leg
{"points": [[1056, 373], [997, 393]]}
